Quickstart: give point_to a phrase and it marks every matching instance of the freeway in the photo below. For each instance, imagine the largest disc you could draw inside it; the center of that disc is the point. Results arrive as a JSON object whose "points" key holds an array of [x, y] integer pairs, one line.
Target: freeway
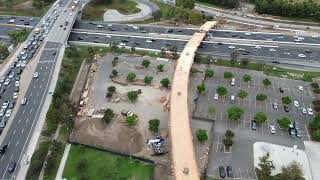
{"points": [[42, 53], [19, 21], [278, 53]]}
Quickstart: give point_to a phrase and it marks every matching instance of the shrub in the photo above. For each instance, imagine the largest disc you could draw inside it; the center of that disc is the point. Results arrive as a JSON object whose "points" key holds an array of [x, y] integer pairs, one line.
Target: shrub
{"points": [[235, 113], [316, 135], [132, 120], [261, 97], [315, 85], [208, 73], [111, 89], [131, 76], [108, 115], [201, 88], [154, 125], [229, 134], [132, 96], [222, 91], [242, 94], [148, 79], [227, 75], [145, 63], [246, 78], [165, 82], [260, 117], [160, 67], [284, 122], [266, 82], [114, 72], [201, 135], [286, 100]]}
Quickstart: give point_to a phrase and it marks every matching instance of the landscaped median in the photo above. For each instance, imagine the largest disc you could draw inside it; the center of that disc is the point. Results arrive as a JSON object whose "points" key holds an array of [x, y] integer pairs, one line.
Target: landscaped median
{"points": [[90, 163]]}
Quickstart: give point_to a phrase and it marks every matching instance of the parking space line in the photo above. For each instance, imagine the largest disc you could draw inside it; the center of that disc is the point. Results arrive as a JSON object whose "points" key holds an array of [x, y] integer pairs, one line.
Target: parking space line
{"points": [[240, 173]]}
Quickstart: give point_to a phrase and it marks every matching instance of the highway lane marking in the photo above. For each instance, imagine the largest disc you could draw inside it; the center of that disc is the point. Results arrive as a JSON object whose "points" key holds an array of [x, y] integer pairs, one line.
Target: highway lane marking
{"points": [[14, 132], [17, 142], [31, 111], [11, 157], [2, 158], [22, 113], [22, 131], [38, 91], [31, 94], [19, 121]]}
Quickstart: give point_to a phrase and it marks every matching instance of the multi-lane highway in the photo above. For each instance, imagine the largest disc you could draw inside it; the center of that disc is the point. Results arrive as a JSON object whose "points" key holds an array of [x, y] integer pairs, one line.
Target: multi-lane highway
{"points": [[40, 59], [19, 21]]}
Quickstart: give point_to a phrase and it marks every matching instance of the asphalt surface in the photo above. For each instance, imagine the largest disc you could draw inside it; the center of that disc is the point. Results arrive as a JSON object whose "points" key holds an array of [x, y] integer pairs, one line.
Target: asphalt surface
{"points": [[281, 55], [19, 20], [22, 126]]}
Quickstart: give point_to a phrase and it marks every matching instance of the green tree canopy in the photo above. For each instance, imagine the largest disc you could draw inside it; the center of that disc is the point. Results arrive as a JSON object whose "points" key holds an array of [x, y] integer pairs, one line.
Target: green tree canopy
{"points": [[286, 100], [227, 75], [165, 82], [160, 67], [201, 88], [235, 113], [246, 78], [266, 82], [132, 96], [201, 135], [4, 52], [222, 91], [145, 63], [261, 97], [293, 171], [242, 94], [132, 120], [265, 167], [208, 73], [148, 79], [260, 117], [131, 76], [154, 125], [284, 122]]}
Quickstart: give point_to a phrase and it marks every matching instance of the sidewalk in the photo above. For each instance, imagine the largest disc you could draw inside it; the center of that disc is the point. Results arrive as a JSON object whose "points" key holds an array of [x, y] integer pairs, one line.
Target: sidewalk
{"points": [[63, 161]]}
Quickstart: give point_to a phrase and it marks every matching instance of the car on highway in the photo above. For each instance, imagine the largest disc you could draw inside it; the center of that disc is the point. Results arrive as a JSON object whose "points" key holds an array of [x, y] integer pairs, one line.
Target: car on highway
{"points": [[15, 95], [229, 171], [108, 36], [11, 75], [302, 55], [99, 26], [35, 74], [23, 52], [24, 101], [295, 103], [8, 113], [12, 167], [304, 111], [24, 56], [300, 88], [257, 47], [2, 79], [272, 50], [272, 129], [310, 112], [222, 172], [231, 47], [216, 96]]}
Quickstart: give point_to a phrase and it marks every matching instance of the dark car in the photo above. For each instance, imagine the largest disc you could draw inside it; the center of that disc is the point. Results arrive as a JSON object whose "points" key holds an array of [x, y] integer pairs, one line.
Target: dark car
{"points": [[54, 53], [11, 105], [253, 125], [19, 71], [16, 89], [222, 172], [125, 40], [298, 133], [281, 90], [169, 30], [12, 167], [286, 108], [229, 171], [80, 38], [296, 125], [3, 91], [27, 23], [3, 148]]}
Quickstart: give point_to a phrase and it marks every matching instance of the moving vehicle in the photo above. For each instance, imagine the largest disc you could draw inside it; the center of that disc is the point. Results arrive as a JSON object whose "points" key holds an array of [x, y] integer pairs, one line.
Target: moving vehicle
{"points": [[3, 148], [24, 101], [12, 167]]}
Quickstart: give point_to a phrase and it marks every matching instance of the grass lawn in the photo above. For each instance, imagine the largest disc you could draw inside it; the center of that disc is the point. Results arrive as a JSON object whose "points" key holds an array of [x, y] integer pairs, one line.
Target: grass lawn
{"points": [[103, 165], [95, 12], [166, 10]]}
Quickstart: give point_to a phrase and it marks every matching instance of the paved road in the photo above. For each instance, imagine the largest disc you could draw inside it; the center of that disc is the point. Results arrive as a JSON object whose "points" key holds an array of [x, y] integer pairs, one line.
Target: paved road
{"points": [[20, 128], [19, 20], [283, 53]]}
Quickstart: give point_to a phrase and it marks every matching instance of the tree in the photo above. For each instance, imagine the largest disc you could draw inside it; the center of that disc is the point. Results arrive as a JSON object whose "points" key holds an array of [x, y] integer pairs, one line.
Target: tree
{"points": [[145, 63], [246, 78], [222, 91], [132, 96], [284, 122], [160, 67], [242, 94], [315, 85], [108, 115], [293, 171], [115, 61], [234, 57], [148, 79], [260, 117], [265, 167], [201, 88], [112, 89], [229, 134], [4, 52], [154, 125], [132, 120], [82, 165], [163, 52], [316, 135], [261, 97], [165, 82], [18, 36], [286, 100], [228, 142], [235, 113], [244, 63], [208, 73], [131, 76], [227, 75], [114, 72], [201, 135], [266, 82]]}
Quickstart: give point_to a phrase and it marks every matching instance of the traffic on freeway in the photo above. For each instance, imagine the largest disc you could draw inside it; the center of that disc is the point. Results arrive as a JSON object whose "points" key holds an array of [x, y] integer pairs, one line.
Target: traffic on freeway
{"points": [[19, 133], [19, 20]]}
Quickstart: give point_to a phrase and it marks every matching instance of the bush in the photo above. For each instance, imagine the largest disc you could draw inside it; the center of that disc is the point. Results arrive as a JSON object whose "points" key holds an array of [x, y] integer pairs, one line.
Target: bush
{"points": [[246, 78], [317, 108], [260, 117], [208, 73], [266, 82], [114, 72], [235, 113], [244, 63], [201, 88], [316, 135], [316, 102], [211, 110], [261, 97], [201, 135], [315, 85], [316, 91], [160, 67], [165, 82], [154, 125], [132, 120], [222, 91], [242, 94], [132, 96], [115, 61], [108, 115], [229, 134], [148, 79], [111, 89], [228, 142], [286, 100], [131, 76], [227, 75], [145, 63]]}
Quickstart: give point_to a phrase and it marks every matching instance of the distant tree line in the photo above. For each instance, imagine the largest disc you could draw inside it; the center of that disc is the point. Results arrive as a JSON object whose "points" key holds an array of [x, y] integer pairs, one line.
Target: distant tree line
{"points": [[306, 8]]}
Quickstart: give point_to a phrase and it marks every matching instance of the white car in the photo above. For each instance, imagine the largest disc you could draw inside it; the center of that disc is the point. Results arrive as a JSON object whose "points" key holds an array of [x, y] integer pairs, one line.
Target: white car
{"points": [[304, 111], [2, 79], [302, 55], [248, 34], [216, 96], [241, 49], [108, 36], [257, 47], [286, 53], [231, 47], [300, 88], [24, 101], [272, 129], [8, 113], [310, 112], [35, 75], [11, 75], [2, 112], [17, 83], [15, 95], [99, 26], [5, 105], [148, 41], [296, 103], [109, 25], [272, 50]]}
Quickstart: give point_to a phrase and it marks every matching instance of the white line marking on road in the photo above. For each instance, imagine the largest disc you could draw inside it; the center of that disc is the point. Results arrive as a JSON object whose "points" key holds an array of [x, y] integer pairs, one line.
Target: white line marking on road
{"points": [[31, 94], [11, 156], [22, 131], [14, 132], [17, 142], [31, 111], [27, 120], [1, 158], [23, 112]]}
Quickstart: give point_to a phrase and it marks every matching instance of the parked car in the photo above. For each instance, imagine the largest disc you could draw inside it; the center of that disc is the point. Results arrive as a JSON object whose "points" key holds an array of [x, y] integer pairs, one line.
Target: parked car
{"points": [[298, 133], [303, 110], [310, 112], [272, 129], [296, 103], [229, 171], [216, 96], [292, 132], [222, 172], [254, 125], [24, 101], [300, 88], [275, 105], [281, 90]]}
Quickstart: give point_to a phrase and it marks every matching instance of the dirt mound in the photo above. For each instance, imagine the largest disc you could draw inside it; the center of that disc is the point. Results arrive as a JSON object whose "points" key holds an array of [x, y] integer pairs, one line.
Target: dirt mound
{"points": [[116, 136]]}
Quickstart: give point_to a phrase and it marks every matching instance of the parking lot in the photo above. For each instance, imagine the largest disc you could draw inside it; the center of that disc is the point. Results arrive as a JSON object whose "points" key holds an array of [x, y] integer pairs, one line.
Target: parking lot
{"points": [[241, 155]]}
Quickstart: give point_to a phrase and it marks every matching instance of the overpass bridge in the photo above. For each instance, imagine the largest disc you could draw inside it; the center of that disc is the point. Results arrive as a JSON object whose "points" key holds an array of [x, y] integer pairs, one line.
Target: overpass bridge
{"points": [[183, 156]]}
